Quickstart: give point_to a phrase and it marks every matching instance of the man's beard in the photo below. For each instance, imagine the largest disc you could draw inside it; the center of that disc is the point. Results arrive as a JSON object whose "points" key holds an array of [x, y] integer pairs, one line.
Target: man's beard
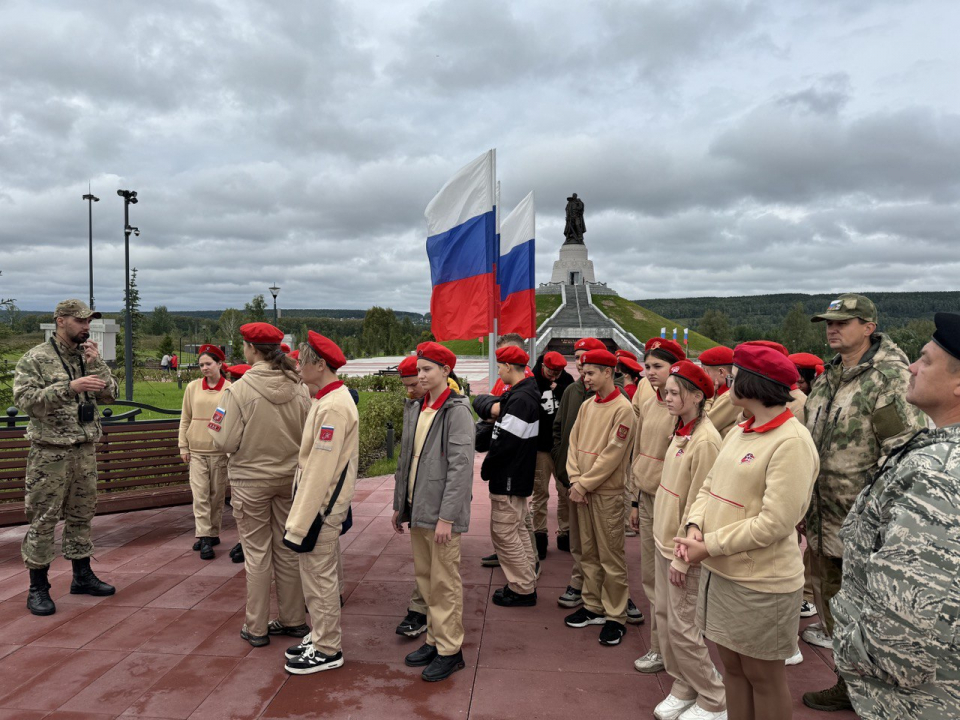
{"points": [[80, 338]]}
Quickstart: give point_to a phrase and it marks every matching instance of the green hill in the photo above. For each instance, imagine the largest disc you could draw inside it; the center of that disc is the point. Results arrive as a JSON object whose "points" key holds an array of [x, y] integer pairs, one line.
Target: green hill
{"points": [[645, 324]]}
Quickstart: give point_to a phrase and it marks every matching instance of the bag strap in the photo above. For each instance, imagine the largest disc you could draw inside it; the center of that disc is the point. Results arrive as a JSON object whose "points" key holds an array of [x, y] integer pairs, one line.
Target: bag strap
{"points": [[336, 490]]}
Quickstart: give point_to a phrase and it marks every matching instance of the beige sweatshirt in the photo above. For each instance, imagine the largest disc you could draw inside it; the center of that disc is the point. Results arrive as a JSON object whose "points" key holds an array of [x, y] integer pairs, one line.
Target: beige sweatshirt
{"points": [[199, 405], [599, 443], [688, 461], [331, 442], [723, 414], [260, 424], [750, 504], [651, 437]]}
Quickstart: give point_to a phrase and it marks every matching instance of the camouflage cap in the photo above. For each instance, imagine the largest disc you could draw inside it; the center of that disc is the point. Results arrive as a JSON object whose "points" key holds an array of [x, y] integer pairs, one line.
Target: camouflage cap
{"points": [[75, 308], [847, 307]]}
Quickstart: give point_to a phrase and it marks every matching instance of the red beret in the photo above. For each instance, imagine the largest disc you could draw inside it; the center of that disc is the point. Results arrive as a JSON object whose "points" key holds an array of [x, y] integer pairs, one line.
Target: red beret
{"points": [[766, 362], [512, 355], [599, 357], [408, 366], [588, 343], [625, 353], [554, 360], [237, 371], [262, 333], [719, 355], [695, 374], [807, 361], [213, 351], [770, 344], [668, 346], [285, 348], [630, 364], [435, 352], [295, 354], [327, 349]]}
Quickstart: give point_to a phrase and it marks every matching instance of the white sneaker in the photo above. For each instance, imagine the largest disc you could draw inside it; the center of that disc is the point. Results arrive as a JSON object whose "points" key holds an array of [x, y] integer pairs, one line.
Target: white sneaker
{"points": [[671, 708], [794, 659], [815, 635], [807, 609], [698, 713], [650, 663]]}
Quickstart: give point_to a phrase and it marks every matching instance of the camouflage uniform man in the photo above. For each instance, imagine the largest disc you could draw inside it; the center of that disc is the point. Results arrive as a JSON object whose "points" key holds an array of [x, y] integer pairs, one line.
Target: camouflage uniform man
{"points": [[58, 384], [896, 640], [857, 414]]}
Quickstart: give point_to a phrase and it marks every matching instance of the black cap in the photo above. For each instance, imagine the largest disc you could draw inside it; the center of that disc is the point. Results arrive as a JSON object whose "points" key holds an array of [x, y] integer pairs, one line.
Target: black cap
{"points": [[947, 335]]}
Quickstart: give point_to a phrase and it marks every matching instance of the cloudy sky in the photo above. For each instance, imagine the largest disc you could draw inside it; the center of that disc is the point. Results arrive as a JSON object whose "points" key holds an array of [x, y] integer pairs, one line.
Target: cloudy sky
{"points": [[722, 147]]}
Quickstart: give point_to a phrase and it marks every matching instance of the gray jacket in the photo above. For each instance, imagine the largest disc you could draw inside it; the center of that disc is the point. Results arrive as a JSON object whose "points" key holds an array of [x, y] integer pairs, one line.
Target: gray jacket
{"points": [[444, 482]]}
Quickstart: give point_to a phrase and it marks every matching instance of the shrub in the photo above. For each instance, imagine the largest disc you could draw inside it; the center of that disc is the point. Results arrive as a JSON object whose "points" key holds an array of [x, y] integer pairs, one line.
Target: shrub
{"points": [[377, 411], [375, 383]]}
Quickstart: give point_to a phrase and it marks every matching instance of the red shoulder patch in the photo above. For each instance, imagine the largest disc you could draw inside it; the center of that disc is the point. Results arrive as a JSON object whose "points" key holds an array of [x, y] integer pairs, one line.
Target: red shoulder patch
{"points": [[622, 432], [326, 433]]}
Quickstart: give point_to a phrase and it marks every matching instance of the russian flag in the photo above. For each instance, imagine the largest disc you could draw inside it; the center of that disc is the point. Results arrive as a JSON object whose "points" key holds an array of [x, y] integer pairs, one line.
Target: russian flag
{"points": [[518, 305], [462, 248]]}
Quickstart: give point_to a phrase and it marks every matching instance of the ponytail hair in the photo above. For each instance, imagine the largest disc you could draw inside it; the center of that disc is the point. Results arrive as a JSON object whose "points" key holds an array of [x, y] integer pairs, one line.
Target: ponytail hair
{"points": [[276, 357]]}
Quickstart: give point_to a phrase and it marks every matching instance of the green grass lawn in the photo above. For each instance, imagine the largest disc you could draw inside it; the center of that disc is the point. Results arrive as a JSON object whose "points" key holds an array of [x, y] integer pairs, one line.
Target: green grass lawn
{"points": [[645, 324], [546, 306], [465, 347]]}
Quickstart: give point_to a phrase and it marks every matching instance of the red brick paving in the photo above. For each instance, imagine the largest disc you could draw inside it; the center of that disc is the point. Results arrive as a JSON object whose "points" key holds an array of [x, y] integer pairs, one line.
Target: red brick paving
{"points": [[167, 644]]}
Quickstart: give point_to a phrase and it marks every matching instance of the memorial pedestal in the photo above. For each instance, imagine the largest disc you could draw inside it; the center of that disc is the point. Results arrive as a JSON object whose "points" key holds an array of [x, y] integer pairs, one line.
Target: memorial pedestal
{"points": [[574, 266]]}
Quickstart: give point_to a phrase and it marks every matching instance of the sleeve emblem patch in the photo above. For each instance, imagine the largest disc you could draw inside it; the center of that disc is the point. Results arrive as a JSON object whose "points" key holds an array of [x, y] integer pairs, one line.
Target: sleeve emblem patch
{"points": [[622, 432], [218, 415], [326, 433]]}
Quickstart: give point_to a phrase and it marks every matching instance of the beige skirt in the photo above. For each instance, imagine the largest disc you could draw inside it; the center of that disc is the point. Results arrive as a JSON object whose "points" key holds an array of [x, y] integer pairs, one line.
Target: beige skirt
{"points": [[756, 624]]}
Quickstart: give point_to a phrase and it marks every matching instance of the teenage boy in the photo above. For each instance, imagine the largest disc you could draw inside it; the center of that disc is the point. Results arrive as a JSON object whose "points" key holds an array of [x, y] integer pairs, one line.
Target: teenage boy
{"points": [[433, 492], [596, 465], [509, 467], [415, 622], [322, 491]]}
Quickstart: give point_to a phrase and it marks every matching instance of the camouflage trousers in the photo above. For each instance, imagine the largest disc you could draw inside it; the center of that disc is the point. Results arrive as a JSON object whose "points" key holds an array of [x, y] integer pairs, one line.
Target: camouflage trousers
{"points": [[61, 482]]}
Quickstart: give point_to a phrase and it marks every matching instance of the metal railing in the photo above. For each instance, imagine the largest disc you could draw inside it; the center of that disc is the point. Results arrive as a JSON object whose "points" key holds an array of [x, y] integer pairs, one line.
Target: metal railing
{"points": [[107, 414]]}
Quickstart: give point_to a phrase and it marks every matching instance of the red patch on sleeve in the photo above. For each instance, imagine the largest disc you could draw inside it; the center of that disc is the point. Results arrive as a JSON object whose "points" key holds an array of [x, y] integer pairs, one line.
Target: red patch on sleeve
{"points": [[622, 432], [326, 433]]}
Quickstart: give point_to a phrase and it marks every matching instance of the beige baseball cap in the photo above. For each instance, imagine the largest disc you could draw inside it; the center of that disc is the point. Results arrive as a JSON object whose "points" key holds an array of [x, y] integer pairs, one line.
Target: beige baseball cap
{"points": [[75, 308]]}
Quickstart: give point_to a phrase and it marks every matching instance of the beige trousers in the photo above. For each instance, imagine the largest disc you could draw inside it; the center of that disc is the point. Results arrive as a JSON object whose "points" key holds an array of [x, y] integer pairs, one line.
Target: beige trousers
{"points": [[416, 601], [576, 573], [605, 589], [648, 566], [541, 496], [208, 483], [685, 653], [321, 576], [261, 514], [438, 577], [511, 542]]}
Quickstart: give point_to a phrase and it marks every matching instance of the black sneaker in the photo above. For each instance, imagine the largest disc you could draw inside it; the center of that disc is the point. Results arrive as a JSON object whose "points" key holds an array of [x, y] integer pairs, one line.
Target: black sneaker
{"points": [[612, 633], [508, 598], [571, 598], [582, 618], [255, 640], [443, 666], [310, 661], [412, 625], [563, 543], [634, 616], [275, 627], [490, 561], [295, 651], [541, 538], [422, 656]]}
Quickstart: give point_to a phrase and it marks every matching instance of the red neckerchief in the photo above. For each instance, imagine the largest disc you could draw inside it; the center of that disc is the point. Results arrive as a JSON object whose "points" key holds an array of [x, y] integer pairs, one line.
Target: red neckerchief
{"points": [[773, 424], [328, 388], [685, 430], [659, 399], [440, 400], [608, 398], [722, 389], [218, 386]]}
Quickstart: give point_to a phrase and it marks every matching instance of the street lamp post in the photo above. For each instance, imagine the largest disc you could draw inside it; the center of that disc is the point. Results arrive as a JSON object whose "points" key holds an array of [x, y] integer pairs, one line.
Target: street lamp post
{"points": [[274, 290], [129, 198], [91, 199]]}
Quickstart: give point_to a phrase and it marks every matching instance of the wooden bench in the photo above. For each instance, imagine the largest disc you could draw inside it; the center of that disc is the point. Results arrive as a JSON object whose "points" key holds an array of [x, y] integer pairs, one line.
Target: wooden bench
{"points": [[138, 467]]}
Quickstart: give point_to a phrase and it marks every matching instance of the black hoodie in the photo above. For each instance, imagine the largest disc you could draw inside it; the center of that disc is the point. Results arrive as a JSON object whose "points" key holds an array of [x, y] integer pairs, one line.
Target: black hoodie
{"points": [[549, 403], [512, 459]]}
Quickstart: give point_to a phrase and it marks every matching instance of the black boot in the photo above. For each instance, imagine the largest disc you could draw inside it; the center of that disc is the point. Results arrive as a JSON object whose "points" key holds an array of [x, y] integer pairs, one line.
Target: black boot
{"points": [[443, 666], [213, 541], [85, 582], [236, 553], [541, 538], [38, 597], [206, 549], [563, 543]]}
